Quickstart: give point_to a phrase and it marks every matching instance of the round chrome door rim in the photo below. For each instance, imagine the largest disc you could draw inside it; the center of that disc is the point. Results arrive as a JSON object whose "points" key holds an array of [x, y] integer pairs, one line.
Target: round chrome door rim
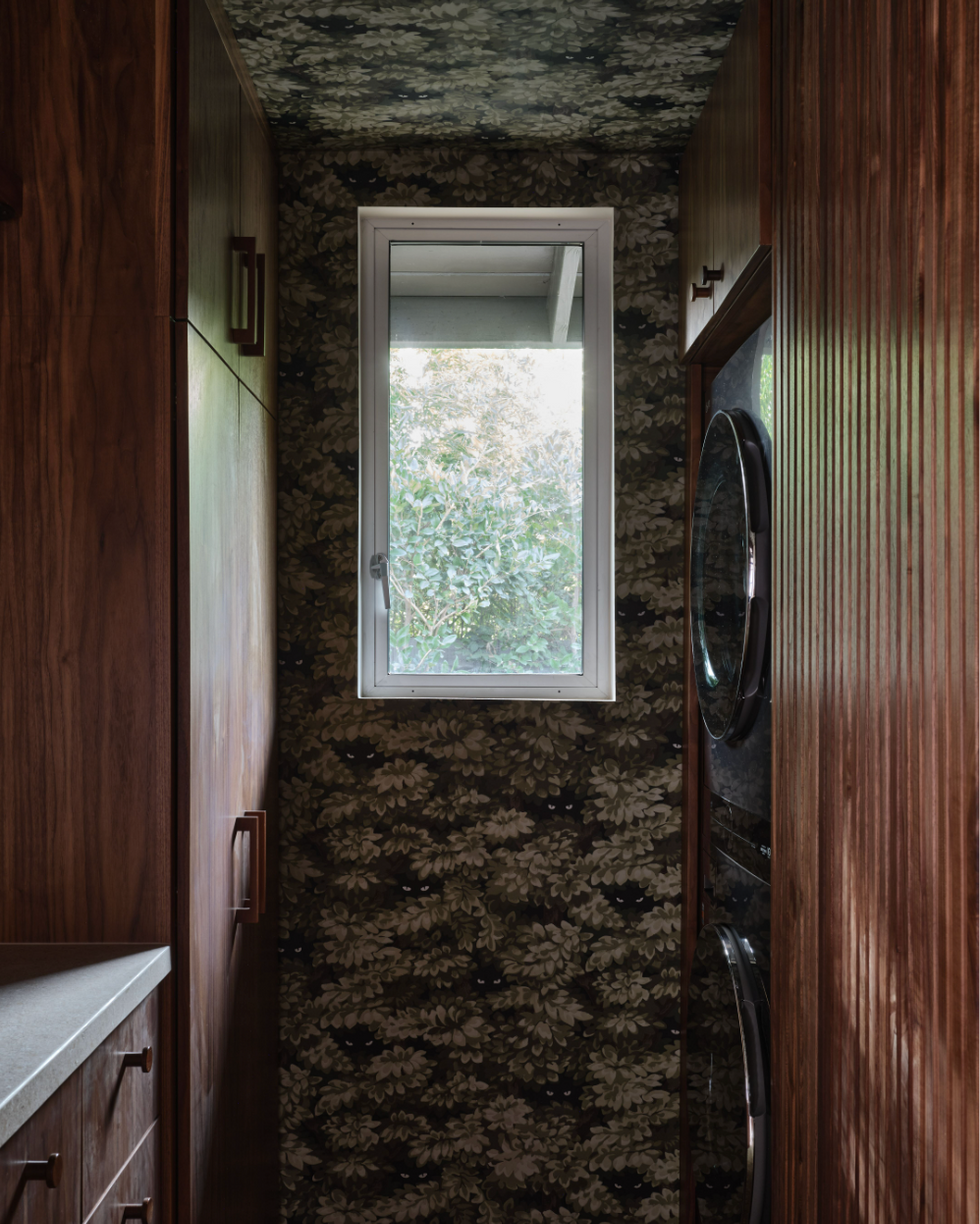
{"points": [[752, 1007], [755, 508]]}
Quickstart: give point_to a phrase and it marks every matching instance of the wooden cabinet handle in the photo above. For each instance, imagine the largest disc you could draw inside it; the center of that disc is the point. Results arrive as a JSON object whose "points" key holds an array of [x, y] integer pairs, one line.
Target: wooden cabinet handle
{"points": [[262, 859], [711, 274], [258, 348], [253, 823], [48, 1171], [698, 291], [143, 1060], [139, 1211], [246, 247]]}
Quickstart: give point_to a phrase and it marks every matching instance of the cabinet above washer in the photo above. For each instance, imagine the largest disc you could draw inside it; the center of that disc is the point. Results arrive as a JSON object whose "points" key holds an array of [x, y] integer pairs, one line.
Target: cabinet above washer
{"points": [[726, 193]]}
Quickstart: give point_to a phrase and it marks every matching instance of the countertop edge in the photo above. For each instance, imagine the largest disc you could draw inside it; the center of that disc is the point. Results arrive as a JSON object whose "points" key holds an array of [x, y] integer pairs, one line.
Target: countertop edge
{"points": [[30, 1095]]}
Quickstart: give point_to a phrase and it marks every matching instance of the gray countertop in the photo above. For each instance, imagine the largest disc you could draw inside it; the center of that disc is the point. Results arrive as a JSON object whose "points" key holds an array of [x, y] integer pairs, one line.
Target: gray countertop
{"points": [[58, 1003]]}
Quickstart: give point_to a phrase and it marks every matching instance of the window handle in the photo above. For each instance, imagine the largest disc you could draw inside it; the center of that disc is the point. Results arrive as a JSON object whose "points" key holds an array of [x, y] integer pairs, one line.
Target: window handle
{"points": [[379, 569]]}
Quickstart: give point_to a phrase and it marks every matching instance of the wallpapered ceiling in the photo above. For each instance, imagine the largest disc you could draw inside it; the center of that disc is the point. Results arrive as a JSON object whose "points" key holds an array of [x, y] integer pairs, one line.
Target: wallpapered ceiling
{"points": [[480, 901], [611, 74]]}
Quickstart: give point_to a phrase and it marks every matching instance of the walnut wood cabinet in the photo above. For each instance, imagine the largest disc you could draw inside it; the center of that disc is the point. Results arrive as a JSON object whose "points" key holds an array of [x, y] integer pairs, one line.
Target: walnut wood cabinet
{"points": [[726, 197], [99, 1135], [54, 1130], [137, 554]]}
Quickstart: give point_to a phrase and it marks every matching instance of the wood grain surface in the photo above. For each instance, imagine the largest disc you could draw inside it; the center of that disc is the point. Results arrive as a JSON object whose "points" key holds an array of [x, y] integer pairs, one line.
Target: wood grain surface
{"points": [[85, 95], [726, 181], [215, 685], [696, 239], [55, 1127], [875, 702], [257, 547], [209, 170], [247, 1175], [738, 120], [227, 710], [119, 1103], [85, 388], [259, 219], [226, 448], [138, 1180], [85, 630], [250, 97]]}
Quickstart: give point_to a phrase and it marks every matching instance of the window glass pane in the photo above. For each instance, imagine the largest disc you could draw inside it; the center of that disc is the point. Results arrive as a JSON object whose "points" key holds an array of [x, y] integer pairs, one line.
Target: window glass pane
{"points": [[485, 463]]}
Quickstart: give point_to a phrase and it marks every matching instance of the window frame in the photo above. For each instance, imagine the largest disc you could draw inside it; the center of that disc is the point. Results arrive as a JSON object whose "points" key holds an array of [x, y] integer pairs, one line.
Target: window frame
{"points": [[378, 227]]}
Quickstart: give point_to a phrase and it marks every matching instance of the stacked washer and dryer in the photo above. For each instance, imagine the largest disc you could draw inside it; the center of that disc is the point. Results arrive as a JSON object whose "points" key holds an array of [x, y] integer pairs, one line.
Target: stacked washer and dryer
{"points": [[727, 1034]]}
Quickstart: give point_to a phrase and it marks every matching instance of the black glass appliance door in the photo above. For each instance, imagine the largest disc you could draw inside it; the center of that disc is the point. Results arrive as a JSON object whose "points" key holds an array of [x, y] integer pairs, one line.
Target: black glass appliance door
{"points": [[730, 575], [728, 1080]]}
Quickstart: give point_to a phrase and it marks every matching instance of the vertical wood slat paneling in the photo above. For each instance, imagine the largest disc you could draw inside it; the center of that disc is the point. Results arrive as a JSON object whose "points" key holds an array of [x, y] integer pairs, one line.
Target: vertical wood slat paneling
{"points": [[875, 655]]}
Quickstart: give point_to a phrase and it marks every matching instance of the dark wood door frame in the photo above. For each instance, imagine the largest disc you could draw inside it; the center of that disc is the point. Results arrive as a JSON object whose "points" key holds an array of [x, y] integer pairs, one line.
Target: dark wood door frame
{"points": [[745, 311]]}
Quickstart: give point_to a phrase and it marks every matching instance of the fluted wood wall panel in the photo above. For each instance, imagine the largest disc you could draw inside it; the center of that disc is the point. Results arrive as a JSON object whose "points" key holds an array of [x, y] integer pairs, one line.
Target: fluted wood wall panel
{"points": [[875, 654]]}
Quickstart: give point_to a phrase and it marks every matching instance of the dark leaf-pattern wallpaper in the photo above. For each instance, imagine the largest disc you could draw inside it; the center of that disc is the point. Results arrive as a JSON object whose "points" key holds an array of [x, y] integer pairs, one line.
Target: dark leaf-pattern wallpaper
{"points": [[480, 901], [604, 74]]}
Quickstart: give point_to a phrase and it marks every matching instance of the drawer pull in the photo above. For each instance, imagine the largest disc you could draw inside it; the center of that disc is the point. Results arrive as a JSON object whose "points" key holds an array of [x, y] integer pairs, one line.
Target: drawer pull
{"points": [[139, 1211], [143, 1060], [48, 1171], [711, 274], [698, 292]]}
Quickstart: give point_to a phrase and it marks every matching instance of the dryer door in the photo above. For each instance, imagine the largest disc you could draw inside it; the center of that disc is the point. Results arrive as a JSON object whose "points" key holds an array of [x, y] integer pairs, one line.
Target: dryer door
{"points": [[730, 575], [728, 1080]]}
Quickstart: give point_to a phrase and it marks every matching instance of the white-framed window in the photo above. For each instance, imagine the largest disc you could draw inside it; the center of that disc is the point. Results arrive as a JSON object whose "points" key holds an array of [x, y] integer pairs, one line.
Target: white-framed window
{"points": [[485, 565]]}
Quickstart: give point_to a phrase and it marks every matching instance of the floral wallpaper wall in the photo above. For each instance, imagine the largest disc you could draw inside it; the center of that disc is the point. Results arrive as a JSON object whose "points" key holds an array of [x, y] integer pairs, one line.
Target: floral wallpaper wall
{"points": [[480, 901], [623, 74]]}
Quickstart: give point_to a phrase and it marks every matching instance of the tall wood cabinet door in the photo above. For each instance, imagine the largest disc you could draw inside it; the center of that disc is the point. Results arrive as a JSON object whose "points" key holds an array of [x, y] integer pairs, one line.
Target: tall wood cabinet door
{"points": [[213, 207], [260, 202], [213, 705], [85, 95], [257, 548], [85, 633], [243, 1183]]}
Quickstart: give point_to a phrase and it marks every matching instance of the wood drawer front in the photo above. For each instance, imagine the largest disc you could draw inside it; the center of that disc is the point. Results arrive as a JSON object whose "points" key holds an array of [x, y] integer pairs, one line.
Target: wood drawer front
{"points": [[138, 1181], [119, 1103], [54, 1128]]}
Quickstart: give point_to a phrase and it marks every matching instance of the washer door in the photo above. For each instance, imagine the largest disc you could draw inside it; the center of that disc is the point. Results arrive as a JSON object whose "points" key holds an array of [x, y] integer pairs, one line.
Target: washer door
{"points": [[730, 575], [728, 1080]]}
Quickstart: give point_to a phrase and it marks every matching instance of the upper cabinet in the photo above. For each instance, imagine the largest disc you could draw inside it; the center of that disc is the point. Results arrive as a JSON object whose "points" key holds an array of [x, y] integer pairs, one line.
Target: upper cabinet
{"points": [[726, 190], [210, 205], [227, 210], [259, 218]]}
